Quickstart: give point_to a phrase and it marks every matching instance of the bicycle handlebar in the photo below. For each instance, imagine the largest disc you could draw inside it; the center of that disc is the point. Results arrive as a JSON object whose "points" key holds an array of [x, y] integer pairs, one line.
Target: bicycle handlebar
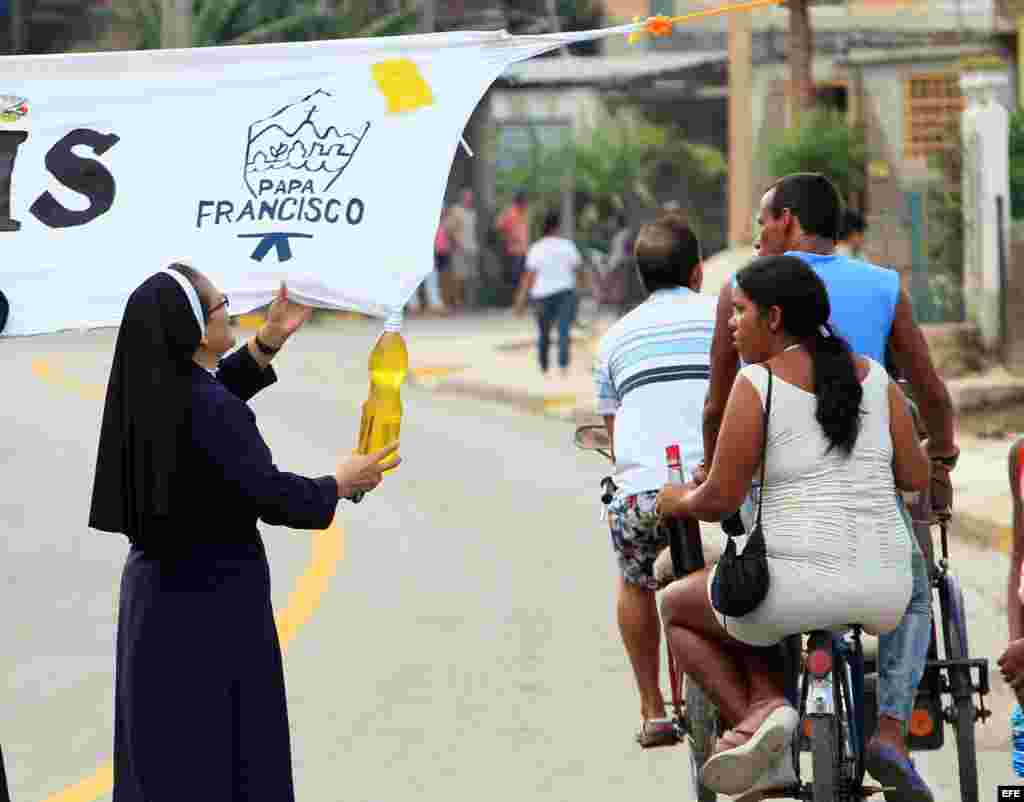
{"points": [[608, 490]]}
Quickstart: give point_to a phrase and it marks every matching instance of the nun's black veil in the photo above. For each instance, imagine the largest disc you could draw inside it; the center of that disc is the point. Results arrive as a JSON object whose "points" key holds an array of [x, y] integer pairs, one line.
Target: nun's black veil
{"points": [[147, 412]]}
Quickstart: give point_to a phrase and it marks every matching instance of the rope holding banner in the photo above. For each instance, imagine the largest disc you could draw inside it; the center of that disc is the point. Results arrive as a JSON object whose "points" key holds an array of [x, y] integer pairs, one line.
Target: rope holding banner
{"points": [[662, 25]]}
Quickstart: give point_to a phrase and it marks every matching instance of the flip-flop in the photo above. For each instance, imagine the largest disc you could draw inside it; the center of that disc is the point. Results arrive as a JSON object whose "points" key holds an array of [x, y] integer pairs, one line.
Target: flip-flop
{"points": [[656, 732], [897, 773], [736, 770]]}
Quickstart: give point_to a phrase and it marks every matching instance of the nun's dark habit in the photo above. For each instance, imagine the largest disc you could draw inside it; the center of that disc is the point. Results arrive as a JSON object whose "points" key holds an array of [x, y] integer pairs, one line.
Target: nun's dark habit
{"points": [[182, 470]]}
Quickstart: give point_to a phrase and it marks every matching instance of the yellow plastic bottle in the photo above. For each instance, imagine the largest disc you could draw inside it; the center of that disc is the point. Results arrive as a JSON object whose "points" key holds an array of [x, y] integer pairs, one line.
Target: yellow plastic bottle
{"points": [[382, 412]]}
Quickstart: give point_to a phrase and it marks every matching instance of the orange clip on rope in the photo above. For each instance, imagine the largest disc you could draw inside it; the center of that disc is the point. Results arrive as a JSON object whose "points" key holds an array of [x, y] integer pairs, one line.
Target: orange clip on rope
{"points": [[662, 26], [659, 26]]}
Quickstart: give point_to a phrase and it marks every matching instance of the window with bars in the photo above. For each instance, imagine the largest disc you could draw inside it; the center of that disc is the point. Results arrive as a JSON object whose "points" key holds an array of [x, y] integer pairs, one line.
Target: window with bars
{"points": [[932, 102]]}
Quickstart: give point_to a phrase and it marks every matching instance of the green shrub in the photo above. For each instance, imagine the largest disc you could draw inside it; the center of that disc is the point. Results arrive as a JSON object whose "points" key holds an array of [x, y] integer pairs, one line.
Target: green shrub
{"points": [[1017, 164], [822, 143], [612, 165], [944, 231]]}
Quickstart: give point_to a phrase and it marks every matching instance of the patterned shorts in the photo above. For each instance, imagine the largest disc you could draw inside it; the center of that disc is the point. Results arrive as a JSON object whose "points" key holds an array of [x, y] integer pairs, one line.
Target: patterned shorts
{"points": [[635, 538]]}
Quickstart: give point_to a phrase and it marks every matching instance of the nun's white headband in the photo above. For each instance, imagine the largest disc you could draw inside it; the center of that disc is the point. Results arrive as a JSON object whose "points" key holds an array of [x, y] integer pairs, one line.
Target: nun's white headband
{"points": [[193, 298]]}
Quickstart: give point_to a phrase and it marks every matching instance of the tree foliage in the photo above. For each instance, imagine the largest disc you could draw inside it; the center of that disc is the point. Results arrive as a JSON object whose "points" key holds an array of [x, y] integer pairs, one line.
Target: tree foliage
{"points": [[615, 165], [944, 235], [231, 22], [824, 143]]}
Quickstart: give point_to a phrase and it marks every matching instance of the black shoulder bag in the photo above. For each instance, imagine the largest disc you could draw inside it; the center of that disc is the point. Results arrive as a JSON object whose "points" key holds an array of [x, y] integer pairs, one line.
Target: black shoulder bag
{"points": [[741, 580]]}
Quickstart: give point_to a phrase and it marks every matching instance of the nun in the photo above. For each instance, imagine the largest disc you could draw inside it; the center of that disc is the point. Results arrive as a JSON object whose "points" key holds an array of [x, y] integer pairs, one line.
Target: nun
{"points": [[182, 471]]}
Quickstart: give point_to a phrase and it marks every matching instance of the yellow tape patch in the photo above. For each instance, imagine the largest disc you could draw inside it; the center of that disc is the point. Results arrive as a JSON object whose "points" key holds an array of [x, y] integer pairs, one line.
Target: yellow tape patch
{"points": [[400, 81]]}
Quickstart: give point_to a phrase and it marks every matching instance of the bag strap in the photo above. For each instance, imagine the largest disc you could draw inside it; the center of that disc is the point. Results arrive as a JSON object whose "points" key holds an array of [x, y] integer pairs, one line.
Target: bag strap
{"points": [[764, 447]]}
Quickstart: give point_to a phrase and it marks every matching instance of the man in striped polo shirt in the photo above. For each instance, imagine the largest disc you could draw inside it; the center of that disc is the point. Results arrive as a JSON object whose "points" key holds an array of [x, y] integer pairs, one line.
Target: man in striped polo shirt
{"points": [[652, 374]]}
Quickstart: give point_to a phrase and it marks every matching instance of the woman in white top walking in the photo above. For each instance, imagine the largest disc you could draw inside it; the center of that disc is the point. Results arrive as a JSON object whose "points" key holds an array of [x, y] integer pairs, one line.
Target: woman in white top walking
{"points": [[840, 441], [549, 280]]}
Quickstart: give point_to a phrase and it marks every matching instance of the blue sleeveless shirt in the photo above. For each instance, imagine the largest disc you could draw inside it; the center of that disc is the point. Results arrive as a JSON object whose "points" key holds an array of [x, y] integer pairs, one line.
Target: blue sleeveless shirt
{"points": [[863, 298]]}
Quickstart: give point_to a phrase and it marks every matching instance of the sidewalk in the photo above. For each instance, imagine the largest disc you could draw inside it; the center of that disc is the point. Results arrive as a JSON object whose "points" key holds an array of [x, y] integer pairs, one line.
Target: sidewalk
{"points": [[497, 361]]}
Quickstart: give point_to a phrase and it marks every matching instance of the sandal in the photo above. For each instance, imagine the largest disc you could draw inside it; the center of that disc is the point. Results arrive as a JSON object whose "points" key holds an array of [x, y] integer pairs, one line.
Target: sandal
{"points": [[656, 732], [730, 739], [735, 769]]}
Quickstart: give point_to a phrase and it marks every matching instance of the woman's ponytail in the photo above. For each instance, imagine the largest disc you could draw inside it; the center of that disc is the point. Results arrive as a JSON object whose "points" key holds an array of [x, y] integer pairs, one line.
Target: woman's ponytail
{"points": [[836, 387], [790, 284]]}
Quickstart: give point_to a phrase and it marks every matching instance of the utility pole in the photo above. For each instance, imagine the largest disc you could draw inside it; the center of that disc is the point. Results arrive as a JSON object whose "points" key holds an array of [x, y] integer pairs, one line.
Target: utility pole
{"points": [[1015, 10], [569, 177], [741, 155], [555, 25], [17, 22], [428, 16], [175, 23]]}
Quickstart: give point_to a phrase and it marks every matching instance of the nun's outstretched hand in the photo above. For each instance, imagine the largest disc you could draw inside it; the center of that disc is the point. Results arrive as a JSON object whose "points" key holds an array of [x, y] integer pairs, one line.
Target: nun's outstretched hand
{"points": [[365, 471], [284, 318]]}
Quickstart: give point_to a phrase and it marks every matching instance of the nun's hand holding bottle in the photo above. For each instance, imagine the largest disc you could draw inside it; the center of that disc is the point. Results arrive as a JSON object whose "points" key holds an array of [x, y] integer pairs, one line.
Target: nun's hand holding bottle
{"points": [[361, 473]]}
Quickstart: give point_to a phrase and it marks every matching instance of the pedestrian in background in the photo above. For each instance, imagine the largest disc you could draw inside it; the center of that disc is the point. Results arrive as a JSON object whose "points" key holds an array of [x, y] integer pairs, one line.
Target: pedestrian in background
{"points": [[549, 280], [1011, 663], [465, 253], [183, 472], [513, 224], [428, 293], [622, 264], [851, 235], [443, 263]]}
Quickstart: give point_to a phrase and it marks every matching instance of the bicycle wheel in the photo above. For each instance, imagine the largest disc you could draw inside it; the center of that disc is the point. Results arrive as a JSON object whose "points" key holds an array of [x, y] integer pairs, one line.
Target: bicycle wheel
{"points": [[824, 759], [964, 715], [702, 718]]}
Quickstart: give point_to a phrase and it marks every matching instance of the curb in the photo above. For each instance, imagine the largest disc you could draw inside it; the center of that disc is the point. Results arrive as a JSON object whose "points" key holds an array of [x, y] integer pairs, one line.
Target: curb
{"points": [[984, 533], [987, 534], [563, 407], [966, 399], [972, 395]]}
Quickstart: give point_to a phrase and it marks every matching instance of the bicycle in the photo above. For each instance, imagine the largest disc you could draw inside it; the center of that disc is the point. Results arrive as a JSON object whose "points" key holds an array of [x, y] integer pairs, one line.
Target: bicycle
{"points": [[835, 686], [837, 755], [694, 716], [957, 676], [837, 763]]}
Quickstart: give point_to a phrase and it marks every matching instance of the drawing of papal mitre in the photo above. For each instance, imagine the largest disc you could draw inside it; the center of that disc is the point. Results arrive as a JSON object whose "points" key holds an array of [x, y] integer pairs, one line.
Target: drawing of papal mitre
{"points": [[300, 142]]}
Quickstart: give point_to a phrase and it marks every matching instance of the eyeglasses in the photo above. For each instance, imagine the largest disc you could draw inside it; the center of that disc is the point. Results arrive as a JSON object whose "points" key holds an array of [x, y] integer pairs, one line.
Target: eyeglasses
{"points": [[224, 303]]}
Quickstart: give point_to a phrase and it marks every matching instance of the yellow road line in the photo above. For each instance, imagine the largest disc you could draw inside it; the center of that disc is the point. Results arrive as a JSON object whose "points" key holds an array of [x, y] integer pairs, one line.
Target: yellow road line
{"points": [[562, 400], [435, 371], [328, 550], [100, 783], [48, 372], [1005, 539]]}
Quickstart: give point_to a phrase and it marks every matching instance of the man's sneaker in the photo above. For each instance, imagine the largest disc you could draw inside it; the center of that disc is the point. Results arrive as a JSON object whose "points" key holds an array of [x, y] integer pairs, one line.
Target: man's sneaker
{"points": [[892, 770]]}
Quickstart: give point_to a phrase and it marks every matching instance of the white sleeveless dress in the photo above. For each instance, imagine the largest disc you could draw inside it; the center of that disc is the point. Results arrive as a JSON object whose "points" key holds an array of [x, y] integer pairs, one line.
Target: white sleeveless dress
{"points": [[838, 550]]}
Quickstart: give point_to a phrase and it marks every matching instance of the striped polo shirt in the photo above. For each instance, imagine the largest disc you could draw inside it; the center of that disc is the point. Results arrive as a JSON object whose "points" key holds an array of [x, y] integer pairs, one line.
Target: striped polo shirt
{"points": [[652, 372]]}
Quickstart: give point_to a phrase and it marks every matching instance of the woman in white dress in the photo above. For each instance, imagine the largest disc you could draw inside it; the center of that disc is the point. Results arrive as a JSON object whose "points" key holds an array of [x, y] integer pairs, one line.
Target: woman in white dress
{"points": [[840, 441]]}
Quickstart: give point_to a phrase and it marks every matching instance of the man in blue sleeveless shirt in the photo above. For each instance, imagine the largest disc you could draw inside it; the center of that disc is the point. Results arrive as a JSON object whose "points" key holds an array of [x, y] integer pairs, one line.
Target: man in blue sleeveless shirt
{"points": [[799, 216]]}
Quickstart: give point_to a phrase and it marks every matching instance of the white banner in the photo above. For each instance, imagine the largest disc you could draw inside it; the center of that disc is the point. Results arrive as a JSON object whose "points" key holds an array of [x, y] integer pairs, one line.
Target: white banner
{"points": [[321, 163]]}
